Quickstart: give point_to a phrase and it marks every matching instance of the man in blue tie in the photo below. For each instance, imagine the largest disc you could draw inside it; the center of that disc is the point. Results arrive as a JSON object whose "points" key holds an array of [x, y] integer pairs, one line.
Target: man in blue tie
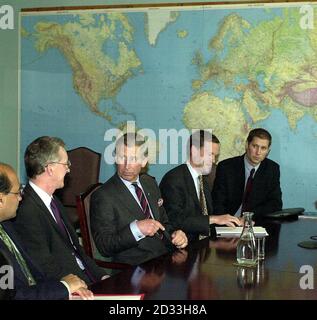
{"points": [[250, 182], [28, 280], [128, 220], [50, 239]]}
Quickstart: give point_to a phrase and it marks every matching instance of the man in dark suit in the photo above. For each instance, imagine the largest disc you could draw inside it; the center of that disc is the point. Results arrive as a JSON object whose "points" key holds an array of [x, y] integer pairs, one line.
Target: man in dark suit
{"points": [[215, 156], [41, 221], [186, 194], [28, 281], [128, 220], [250, 182]]}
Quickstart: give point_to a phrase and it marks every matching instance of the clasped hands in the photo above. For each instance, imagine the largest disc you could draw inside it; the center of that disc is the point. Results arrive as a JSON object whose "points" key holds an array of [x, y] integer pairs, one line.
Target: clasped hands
{"points": [[78, 286]]}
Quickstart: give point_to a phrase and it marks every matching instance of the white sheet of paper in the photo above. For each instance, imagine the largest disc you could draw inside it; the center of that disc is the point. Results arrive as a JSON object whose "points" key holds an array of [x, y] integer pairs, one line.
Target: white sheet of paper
{"points": [[236, 232]]}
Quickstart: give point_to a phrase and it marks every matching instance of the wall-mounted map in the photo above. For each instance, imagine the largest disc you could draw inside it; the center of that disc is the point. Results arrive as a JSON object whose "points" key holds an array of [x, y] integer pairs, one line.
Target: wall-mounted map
{"points": [[229, 68]]}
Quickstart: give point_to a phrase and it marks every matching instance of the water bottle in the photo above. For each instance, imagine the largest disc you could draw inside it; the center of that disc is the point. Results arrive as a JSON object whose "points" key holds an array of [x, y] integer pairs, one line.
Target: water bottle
{"points": [[246, 248]]}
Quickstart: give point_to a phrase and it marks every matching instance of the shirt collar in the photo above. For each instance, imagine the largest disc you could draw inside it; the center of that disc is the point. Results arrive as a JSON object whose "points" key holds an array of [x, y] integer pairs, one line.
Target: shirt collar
{"points": [[45, 197], [248, 167], [192, 171], [128, 184]]}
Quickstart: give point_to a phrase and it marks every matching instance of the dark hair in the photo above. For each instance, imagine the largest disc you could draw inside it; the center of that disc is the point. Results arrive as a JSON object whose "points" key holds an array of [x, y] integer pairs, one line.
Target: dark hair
{"points": [[198, 139], [5, 183], [215, 139], [131, 139], [259, 133], [40, 152]]}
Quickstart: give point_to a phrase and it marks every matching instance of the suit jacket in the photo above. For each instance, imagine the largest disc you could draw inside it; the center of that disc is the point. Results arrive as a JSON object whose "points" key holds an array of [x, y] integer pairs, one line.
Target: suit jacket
{"points": [[46, 244], [45, 289], [182, 204], [265, 197], [112, 209], [211, 176]]}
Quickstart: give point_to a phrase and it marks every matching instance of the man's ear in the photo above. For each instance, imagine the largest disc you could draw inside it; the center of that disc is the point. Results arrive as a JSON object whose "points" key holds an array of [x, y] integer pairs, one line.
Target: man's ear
{"points": [[49, 170], [144, 161], [2, 200]]}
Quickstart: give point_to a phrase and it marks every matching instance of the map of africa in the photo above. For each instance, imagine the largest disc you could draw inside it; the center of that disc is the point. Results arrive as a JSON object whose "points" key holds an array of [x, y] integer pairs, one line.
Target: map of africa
{"points": [[229, 69]]}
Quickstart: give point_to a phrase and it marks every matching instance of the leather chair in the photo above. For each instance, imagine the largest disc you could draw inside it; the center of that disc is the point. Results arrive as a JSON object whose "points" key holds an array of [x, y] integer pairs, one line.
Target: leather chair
{"points": [[84, 171], [83, 203]]}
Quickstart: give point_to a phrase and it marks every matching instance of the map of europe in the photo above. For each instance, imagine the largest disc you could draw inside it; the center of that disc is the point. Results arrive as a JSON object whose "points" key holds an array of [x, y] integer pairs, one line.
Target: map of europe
{"points": [[230, 69]]}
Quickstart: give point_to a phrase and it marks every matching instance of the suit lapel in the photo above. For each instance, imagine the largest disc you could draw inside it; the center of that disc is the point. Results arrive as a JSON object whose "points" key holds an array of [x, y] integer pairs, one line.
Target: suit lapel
{"points": [[240, 170], [127, 199], [35, 271], [151, 200], [190, 185], [37, 200]]}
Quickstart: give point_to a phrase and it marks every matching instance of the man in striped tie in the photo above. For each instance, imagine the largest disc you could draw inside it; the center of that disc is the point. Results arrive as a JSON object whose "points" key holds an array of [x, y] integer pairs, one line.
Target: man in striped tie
{"points": [[128, 219]]}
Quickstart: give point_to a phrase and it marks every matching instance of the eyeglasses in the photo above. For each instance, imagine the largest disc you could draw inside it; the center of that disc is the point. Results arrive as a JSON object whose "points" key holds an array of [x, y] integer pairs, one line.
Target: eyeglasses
{"points": [[68, 163], [18, 193]]}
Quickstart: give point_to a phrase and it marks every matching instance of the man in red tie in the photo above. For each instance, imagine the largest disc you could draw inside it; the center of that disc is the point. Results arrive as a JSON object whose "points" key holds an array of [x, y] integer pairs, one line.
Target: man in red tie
{"points": [[41, 222], [128, 220], [250, 182]]}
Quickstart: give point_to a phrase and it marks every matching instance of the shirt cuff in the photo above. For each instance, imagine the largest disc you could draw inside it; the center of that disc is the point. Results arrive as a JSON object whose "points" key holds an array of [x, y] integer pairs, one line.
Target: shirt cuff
{"points": [[137, 234], [67, 287]]}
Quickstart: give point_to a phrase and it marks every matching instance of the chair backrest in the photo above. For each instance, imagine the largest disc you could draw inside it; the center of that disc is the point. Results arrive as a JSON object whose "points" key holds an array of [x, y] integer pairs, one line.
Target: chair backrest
{"points": [[84, 172], [83, 211]]}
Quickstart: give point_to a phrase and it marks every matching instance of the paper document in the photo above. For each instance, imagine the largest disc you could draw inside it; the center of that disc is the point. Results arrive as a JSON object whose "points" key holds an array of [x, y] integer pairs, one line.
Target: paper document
{"points": [[308, 215], [236, 232], [112, 297]]}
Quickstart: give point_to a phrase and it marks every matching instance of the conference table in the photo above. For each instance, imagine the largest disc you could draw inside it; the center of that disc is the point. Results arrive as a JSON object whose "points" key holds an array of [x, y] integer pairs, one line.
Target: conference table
{"points": [[206, 270]]}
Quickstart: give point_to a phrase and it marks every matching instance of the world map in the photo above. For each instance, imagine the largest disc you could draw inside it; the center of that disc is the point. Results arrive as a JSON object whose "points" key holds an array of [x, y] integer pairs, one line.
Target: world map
{"points": [[230, 69]]}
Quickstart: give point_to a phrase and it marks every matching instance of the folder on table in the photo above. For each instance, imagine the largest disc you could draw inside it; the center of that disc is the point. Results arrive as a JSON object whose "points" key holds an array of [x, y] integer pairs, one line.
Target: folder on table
{"points": [[234, 232]]}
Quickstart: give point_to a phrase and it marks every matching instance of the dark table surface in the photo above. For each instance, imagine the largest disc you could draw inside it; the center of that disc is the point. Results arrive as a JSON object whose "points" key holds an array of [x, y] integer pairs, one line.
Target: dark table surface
{"points": [[205, 269]]}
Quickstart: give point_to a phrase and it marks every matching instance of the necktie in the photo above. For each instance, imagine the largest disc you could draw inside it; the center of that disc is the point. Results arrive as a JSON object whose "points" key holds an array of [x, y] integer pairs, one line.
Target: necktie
{"points": [[10, 245], [202, 200], [65, 232], [143, 202], [58, 217], [248, 188]]}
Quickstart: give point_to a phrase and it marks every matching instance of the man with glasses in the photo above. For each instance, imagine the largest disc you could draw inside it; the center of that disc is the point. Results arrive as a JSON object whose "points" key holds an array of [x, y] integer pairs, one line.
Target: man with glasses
{"points": [[28, 281], [41, 221]]}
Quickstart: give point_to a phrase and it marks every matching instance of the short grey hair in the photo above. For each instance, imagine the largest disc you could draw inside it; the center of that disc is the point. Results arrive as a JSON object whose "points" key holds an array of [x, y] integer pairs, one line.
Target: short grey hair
{"points": [[41, 152]]}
